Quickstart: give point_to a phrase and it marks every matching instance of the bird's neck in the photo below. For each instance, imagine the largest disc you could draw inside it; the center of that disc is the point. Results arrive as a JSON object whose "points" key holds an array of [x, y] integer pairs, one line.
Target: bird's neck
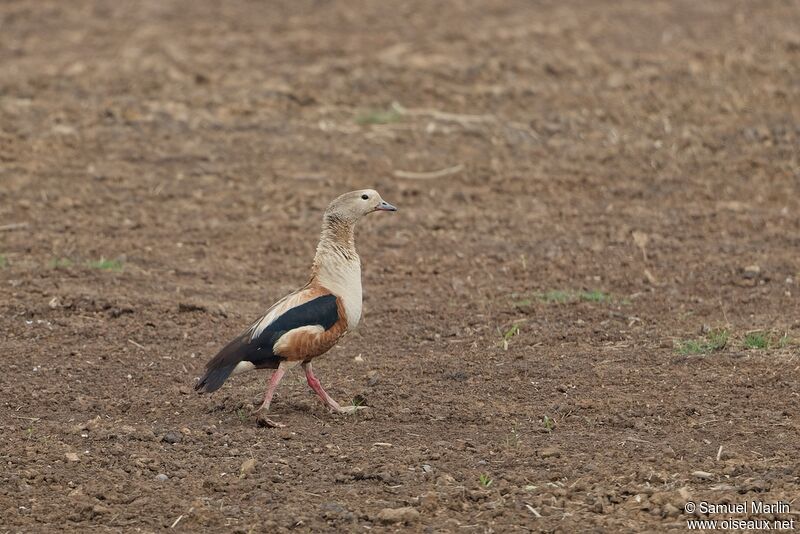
{"points": [[337, 245]]}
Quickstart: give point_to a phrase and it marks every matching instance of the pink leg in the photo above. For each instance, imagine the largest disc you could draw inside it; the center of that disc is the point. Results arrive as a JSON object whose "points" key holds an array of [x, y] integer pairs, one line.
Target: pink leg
{"points": [[313, 381], [274, 380]]}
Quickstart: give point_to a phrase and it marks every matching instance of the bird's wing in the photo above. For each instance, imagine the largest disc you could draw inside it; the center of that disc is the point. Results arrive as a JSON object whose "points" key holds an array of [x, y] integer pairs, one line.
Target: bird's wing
{"points": [[303, 324], [288, 302], [308, 330]]}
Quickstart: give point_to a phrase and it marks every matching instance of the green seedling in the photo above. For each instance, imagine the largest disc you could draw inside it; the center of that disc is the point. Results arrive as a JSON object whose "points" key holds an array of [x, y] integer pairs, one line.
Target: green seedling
{"points": [[387, 116], [485, 480], [106, 265], [357, 402], [555, 296], [559, 296], [513, 439], [62, 263], [548, 424], [593, 296], [508, 334], [3, 261], [691, 346], [756, 340], [716, 340]]}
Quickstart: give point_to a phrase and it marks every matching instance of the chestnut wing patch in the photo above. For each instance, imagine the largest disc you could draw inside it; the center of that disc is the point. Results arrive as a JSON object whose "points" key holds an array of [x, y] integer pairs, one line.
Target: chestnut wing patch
{"points": [[321, 311]]}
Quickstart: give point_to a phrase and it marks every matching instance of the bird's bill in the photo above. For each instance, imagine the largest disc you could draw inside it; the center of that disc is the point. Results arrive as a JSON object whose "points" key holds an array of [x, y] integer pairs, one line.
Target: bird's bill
{"points": [[385, 206]]}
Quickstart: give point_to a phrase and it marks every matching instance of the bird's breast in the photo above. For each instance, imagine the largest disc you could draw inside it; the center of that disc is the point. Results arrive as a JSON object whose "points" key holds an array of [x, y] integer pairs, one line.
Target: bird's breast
{"points": [[352, 305], [344, 281]]}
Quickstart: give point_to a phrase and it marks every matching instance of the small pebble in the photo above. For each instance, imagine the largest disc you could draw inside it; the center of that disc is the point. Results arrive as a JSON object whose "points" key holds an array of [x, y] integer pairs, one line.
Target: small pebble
{"points": [[161, 477], [751, 271], [172, 437], [702, 475], [372, 378]]}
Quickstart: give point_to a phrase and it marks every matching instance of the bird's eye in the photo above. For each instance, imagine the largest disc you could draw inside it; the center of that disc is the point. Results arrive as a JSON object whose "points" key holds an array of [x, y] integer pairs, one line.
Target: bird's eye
{"points": [[364, 197]]}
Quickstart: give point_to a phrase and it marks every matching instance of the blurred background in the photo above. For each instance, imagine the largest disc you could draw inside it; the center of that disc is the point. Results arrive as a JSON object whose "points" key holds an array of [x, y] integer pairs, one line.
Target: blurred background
{"points": [[587, 297]]}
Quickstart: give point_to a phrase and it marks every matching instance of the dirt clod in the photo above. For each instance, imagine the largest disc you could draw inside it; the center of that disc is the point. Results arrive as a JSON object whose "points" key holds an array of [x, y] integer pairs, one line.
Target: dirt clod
{"points": [[92, 424], [429, 501], [337, 511], [248, 467], [702, 475], [549, 452], [405, 514]]}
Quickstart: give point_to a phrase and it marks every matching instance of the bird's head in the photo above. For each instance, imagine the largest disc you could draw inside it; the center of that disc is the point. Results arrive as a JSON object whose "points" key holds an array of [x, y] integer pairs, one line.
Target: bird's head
{"points": [[351, 206]]}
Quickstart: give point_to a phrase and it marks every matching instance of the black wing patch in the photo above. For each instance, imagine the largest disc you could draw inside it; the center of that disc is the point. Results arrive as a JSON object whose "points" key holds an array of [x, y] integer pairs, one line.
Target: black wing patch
{"points": [[321, 311]]}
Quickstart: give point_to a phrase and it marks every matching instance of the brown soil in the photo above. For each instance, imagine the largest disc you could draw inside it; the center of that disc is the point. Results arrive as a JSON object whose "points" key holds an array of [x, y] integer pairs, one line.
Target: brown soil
{"points": [[645, 150]]}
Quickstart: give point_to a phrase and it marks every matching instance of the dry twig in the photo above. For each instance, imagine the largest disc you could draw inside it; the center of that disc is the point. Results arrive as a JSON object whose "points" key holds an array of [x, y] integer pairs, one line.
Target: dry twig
{"points": [[429, 175]]}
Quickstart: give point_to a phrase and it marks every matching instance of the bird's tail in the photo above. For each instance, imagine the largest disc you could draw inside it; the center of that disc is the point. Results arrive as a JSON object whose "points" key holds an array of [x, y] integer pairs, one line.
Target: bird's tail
{"points": [[220, 367], [213, 378]]}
